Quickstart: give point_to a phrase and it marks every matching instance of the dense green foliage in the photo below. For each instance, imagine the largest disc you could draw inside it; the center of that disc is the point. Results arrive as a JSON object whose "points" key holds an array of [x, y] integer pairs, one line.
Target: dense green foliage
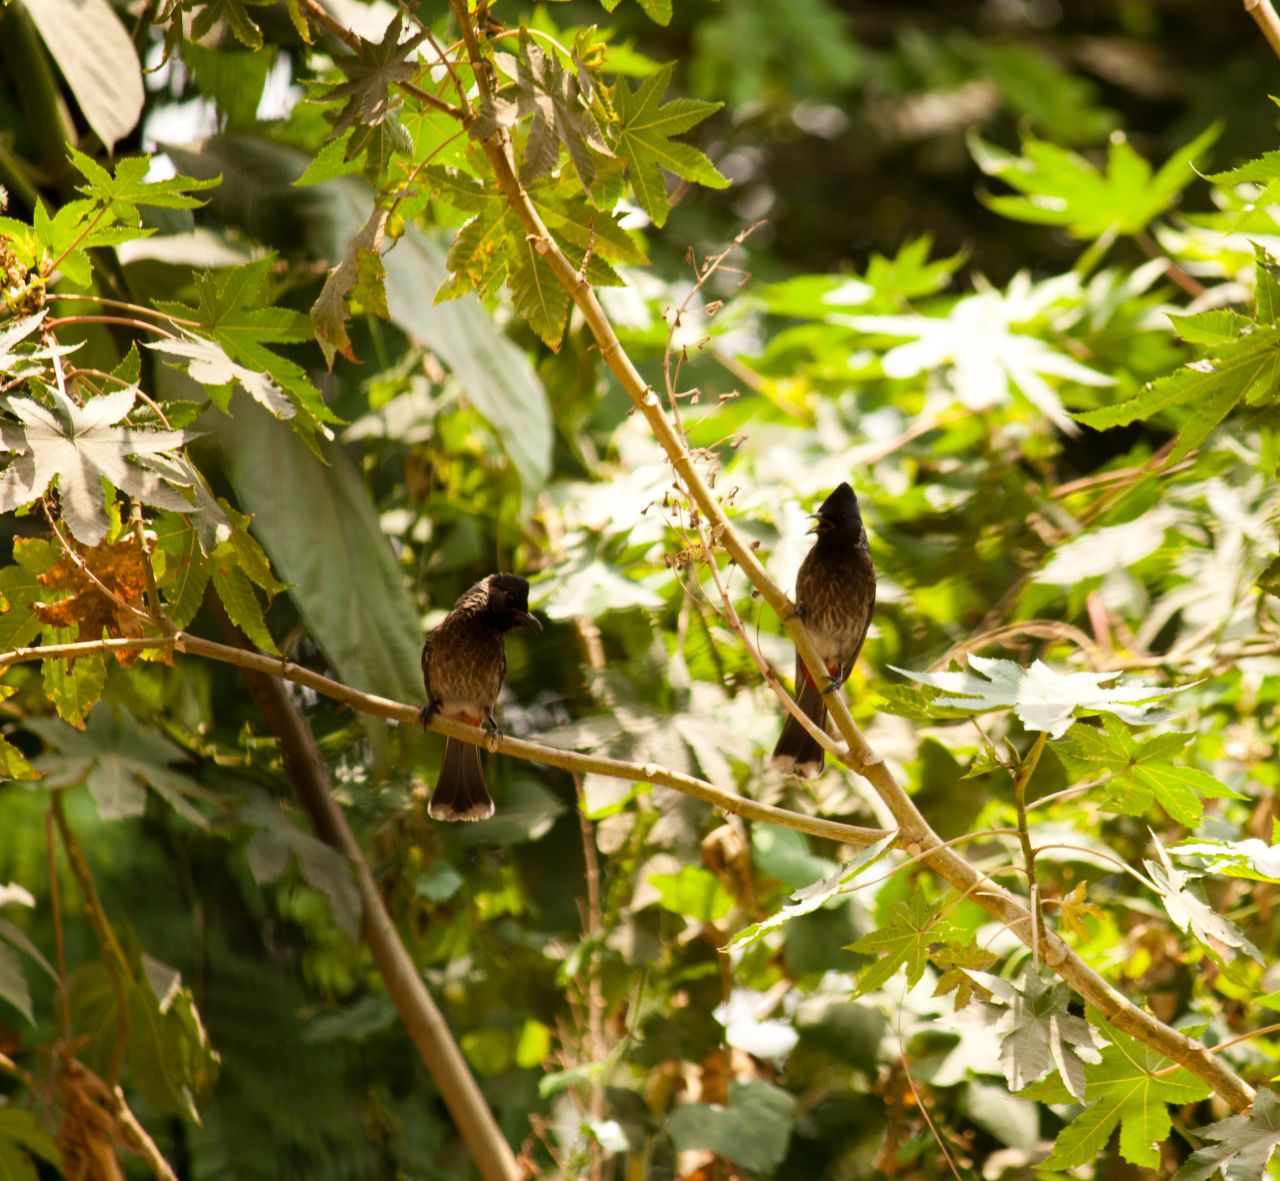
{"points": [[288, 361]]}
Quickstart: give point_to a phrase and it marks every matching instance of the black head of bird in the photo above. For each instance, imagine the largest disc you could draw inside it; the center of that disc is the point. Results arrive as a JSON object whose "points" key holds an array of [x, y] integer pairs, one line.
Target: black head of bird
{"points": [[838, 517], [508, 603]]}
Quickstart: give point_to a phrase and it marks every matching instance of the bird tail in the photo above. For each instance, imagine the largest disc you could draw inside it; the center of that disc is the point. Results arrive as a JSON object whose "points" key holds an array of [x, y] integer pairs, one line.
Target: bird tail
{"points": [[798, 752], [460, 791]]}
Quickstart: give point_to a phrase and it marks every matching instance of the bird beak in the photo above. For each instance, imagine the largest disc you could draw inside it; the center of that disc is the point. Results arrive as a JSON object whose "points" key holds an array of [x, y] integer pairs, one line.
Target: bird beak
{"points": [[819, 523], [524, 619]]}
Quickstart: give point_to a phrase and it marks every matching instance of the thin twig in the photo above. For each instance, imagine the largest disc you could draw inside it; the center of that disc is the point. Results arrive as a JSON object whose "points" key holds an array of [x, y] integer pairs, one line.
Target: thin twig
{"points": [[113, 957], [1025, 772], [59, 940]]}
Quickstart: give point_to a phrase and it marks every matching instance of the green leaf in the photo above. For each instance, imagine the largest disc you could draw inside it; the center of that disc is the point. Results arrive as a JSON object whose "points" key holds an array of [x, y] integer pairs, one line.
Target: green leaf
{"points": [[230, 311], [235, 14], [20, 1134], [238, 597], [1061, 188], [96, 55], [371, 71], [118, 758], [1250, 859], [540, 299], [74, 686], [1192, 914], [120, 193], [645, 137], [277, 841], [316, 520], [1244, 1144], [1142, 772], [1242, 363], [752, 1130], [185, 573], [1042, 698], [13, 984], [1126, 1086], [13, 763], [551, 96], [1038, 1032], [693, 893], [903, 940], [815, 895], [20, 587], [170, 1059]]}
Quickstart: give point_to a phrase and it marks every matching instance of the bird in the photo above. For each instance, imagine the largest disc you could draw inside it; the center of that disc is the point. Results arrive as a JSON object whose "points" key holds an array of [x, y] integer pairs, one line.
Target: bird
{"points": [[835, 596], [464, 661]]}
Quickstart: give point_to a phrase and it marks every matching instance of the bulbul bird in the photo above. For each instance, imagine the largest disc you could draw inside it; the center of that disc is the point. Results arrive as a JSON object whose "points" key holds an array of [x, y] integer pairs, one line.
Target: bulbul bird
{"points": [[463, 663], [835, 595]]}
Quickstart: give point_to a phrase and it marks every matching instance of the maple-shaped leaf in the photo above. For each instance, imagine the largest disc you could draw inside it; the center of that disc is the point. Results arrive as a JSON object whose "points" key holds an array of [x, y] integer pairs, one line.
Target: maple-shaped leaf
{"points": [[551, 95], [371, 72], [1192, 915], [1042, 698], [904, 940], [1128, 1086], [1251, 858], [120, 194], [1240, 362], [66, 236], [988, 346], [1038, 1033], [1061, 188], [207, 363], [1141, 772], [84, 607], [1244, 1144], [813, 896], [1075, 906], [80, 446], [118, 758], [645, 137], [22, 362], [955, 962], [230, 311]]}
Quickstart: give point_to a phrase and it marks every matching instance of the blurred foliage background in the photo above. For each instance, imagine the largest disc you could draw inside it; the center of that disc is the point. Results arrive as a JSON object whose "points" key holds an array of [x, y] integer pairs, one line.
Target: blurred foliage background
{"points": [[897, 320]]}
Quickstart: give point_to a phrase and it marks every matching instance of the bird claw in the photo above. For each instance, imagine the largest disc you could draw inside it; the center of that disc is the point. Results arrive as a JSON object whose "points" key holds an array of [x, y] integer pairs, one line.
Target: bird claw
{"points": [[493, 732], [427, 712]]}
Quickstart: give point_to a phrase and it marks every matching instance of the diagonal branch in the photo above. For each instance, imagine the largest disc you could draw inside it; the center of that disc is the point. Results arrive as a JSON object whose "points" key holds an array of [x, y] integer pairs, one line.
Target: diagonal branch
{"points": [[915, 833]]}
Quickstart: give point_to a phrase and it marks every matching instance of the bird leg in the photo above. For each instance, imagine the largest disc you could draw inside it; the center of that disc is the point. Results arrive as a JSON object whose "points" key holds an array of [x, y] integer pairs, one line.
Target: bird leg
{"points": [[489, 724], [427, 712]]}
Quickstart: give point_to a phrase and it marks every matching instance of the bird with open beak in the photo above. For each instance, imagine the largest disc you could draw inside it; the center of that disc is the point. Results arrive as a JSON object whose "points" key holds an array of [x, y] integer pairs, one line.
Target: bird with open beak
{"points": [[835, 596]]}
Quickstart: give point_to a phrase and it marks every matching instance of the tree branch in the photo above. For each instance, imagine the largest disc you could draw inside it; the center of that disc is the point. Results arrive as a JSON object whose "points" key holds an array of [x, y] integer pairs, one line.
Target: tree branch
{"points": [[423, 1020], [915, 833], [410, 715], [1267, 21]]}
